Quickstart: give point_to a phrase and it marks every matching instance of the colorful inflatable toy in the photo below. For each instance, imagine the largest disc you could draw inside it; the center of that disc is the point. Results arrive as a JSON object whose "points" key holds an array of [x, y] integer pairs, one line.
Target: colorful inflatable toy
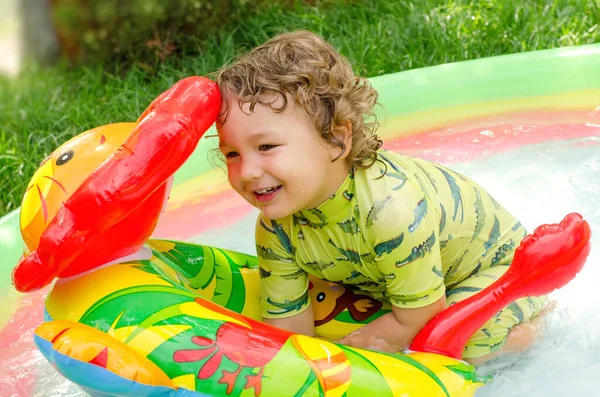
{"points": [[110, 203], [130, 316]]}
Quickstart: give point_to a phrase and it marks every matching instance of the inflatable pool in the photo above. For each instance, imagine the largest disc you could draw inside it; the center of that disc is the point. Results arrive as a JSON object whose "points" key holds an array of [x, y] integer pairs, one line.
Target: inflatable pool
{"points": [[453, 113]]}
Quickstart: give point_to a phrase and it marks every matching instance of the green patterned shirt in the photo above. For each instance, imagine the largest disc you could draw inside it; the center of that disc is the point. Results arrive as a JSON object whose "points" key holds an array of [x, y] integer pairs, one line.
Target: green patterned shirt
{"points": [[402, 230]]}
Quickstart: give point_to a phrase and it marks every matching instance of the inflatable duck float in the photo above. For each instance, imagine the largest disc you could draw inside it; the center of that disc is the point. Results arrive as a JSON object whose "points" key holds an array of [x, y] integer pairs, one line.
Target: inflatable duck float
{"points": [[134, 316]]}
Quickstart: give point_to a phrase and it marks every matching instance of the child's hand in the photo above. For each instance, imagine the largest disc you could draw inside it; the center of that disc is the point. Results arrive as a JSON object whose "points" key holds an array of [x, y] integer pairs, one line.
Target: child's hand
{"points": [[366, 340]]}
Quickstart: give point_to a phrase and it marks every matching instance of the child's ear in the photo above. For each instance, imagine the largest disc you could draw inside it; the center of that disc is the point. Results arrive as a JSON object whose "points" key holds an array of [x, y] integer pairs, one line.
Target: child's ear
{"points": [[343, 133]]}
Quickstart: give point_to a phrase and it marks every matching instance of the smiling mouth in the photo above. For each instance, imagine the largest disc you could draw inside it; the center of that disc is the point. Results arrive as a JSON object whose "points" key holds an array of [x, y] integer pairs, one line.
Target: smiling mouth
{"points": [[265, 195]]}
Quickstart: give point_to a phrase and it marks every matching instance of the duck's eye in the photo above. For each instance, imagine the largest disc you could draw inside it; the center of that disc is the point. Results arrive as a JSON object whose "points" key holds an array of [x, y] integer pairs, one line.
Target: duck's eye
{"points": [[320, 297], [65, 157]]}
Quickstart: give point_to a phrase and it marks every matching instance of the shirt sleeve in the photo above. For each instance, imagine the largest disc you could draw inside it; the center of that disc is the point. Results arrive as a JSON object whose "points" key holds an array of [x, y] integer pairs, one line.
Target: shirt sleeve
{"points": [[284, 285], [405, 241]]}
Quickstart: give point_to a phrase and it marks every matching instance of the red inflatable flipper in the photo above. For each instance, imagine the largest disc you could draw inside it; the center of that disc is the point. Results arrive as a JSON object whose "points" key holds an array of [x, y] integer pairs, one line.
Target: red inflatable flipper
{"points": [[546, 260]]}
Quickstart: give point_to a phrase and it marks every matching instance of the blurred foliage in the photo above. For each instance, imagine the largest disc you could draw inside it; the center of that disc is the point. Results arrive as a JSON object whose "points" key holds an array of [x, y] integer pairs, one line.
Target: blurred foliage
{"points": [[44, 107], [146, 32]]}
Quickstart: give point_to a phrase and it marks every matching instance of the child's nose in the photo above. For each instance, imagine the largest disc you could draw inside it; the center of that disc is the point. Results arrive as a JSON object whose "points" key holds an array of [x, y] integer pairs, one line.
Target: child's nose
{"points": [[251, 170]]}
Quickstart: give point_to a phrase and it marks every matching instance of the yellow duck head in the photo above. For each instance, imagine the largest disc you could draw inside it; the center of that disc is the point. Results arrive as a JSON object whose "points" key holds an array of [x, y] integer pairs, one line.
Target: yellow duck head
{"points": [[61, 174]]}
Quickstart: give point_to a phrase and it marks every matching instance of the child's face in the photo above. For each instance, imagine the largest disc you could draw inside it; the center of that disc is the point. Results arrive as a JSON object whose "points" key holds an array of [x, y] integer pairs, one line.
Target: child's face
{"points": [[277, 161]]}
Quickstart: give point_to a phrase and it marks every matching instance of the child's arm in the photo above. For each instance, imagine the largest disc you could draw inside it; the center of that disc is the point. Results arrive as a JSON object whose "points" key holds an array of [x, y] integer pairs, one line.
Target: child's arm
{"points": [[406, 248], [302, 323], [283, 293]]}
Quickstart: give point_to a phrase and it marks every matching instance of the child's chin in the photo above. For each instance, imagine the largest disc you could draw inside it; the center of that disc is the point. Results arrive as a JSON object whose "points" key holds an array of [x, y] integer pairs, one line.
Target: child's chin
{"points": [[271, 212]]}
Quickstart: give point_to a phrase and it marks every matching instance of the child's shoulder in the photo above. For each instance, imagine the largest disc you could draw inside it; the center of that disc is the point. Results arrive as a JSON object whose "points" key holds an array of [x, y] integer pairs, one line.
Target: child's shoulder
{"points": [[411, 173], [389, 185], [390, 162], [392, 173]]}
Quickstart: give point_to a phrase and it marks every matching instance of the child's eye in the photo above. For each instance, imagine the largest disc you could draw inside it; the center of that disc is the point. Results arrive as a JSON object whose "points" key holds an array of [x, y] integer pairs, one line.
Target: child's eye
{"points": [[230, 155], [264, 148]]}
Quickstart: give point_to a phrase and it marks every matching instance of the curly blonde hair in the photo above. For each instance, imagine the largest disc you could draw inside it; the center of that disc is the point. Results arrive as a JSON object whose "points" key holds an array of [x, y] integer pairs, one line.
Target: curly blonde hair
{"points": [[320, 80]]}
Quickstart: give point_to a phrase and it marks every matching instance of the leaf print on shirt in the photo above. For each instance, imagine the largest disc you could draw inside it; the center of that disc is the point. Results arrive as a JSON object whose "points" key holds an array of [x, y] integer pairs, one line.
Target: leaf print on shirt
{"points": [[322, 218], [387, 247], [474, 271], [455, 194], [496, 204], [376, 208], [281, 235], [516, 311], [442, 218], [455, 265], [502, 252], [351, 255], [493, 236], [517, 226], [404, 299], [429, 177], [319, 265], [389, 276], [444, 243], [419, 212], [350, 226], [396, 174], [347, 195], [293, 275], [288, 306], [419, 251], [368, 284], [303, 221], [479, 214], [461, 290], [532, 306], [268, 254], [354, 275], [264, 273]]}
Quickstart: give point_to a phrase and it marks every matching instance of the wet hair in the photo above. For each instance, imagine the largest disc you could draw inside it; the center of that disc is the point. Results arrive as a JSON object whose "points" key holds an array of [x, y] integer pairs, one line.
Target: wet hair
{"points": [[303, 66]]}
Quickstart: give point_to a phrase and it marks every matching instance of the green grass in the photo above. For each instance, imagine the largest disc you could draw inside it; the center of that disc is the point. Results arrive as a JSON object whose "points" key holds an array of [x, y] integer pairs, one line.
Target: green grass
{"points": [[42, 109]]}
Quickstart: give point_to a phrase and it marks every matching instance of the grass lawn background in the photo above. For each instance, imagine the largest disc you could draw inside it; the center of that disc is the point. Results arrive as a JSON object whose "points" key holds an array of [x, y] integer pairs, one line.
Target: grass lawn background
{"points": [[43, 108]]}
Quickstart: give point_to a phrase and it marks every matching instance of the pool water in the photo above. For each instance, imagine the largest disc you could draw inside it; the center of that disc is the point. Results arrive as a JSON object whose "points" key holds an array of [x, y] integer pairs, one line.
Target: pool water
{"points": [[538, 180], [539, 184]]}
